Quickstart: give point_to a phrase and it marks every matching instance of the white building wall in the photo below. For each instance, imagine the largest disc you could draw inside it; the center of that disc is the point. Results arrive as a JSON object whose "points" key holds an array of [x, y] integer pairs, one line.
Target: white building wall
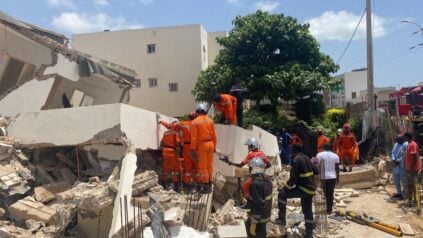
{"points": [[181, 53], [355, 81], [213, 46]]}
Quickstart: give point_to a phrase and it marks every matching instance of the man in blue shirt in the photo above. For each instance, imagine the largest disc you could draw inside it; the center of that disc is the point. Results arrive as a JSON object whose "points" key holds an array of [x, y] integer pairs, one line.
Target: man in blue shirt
{"points": [[397, 157], [285, 141]]}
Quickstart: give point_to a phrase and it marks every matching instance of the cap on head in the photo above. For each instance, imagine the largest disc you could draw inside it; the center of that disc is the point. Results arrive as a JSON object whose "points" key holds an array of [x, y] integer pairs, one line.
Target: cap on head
{"points": [[217, 98], [257, 165], [192, 115], [252, 143], [339, 131], [201, 108]]}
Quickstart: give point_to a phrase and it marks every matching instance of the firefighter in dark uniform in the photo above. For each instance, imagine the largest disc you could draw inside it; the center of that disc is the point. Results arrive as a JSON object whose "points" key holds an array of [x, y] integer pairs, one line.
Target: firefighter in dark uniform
{"points": [[301, 184], [259, 201]]}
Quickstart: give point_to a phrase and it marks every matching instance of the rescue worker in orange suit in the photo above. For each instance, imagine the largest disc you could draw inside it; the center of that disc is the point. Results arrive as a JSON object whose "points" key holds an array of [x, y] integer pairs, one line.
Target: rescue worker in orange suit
{"points": [[189, 166], [321, 140], [227, 105], [203, 145], [259, 202], [253, 152], [347, 148], [336, 141], [171, 166]]}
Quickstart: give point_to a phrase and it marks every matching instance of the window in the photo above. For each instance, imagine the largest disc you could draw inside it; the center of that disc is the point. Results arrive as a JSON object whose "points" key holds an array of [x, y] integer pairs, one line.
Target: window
{"points": [[151, 48], [79, 99], [353, 95], [152, 82], [173, 87]]}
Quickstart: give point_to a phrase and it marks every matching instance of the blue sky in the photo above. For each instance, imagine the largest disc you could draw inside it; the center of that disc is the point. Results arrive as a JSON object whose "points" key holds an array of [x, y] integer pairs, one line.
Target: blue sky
{"points": [[332, 23]]}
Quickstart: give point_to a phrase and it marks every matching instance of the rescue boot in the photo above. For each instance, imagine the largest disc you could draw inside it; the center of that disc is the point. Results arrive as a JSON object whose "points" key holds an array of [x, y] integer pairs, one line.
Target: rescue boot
{"points": [[350, 169], [344, 169], [309, 230]]}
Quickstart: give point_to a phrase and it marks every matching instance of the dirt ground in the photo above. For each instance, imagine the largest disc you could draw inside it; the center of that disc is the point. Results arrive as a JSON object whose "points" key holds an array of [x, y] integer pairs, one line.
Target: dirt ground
{"points": [[379, 205]]}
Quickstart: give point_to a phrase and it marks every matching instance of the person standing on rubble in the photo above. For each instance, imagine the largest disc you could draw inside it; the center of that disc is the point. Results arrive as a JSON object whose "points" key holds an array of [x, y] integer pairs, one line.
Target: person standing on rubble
{"points": [[321, 140], [227, 105], [171, 165], [347, 148], [397, 157], [189, 166], [203, 145], [259, 201], [412, 167], [238, 92], [329, 173], [301, 184]]}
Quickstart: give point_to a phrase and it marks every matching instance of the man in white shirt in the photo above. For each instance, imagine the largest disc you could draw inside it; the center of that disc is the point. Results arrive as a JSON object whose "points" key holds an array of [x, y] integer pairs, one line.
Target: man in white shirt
{"points": [[329, 173]]}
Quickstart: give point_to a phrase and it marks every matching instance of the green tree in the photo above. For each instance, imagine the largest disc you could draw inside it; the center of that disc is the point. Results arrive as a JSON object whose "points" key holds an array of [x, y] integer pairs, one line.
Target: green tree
{"points": [[273, 55]]}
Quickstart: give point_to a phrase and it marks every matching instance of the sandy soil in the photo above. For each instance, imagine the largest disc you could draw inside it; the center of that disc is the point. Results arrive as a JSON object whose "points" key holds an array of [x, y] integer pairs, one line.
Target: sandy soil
{"points": [[379, 205]]}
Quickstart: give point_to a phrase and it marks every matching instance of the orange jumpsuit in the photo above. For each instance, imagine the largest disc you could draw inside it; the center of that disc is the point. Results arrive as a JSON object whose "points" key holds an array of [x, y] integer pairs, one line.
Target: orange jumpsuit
{"points": [[189, 166], [203, 143], [227, 106], [347, 148], [171, 166], [321, 140]]}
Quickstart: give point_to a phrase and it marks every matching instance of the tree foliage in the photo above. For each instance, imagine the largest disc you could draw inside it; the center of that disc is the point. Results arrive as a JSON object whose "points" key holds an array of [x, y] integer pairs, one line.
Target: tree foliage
{"points": [[273, 55]]}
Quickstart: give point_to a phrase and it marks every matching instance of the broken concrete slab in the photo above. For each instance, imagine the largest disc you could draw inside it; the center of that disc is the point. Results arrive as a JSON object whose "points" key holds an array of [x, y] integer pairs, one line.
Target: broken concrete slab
{"points": [[103, 124], [28, 208], [361, 177], [173, 216], [406, 229], [234, 231], [178, 232], [43, 195], [233, 146]]}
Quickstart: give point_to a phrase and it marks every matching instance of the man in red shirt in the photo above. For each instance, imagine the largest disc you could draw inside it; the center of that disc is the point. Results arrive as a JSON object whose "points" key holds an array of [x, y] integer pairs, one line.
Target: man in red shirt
{"points": [[412, 166]]}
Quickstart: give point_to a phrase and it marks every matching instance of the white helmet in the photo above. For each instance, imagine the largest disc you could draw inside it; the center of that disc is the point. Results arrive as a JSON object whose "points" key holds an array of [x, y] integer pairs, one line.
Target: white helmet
{"points": [[252, 143], [201, 108], [257, 165]]}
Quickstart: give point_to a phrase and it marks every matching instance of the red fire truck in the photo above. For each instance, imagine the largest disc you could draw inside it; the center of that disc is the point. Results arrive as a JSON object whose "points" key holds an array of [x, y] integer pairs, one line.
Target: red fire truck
{"points": [[406, 100]]}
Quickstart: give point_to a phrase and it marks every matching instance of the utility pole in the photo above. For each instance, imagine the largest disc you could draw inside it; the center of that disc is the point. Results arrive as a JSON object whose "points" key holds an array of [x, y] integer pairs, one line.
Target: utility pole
{"points": [[370, 85]]}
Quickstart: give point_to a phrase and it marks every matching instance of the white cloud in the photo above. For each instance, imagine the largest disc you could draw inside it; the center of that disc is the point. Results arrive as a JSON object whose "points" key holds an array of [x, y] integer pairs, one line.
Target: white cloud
{"points": [[61, 3], [340, 26], [146, 2], [232, 1], [266, 6], [74, 22], [101, 2]]}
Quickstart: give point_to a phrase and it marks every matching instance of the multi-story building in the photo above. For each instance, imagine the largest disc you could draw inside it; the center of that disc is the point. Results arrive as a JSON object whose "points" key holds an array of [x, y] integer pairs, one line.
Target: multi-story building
{"points": [[351, 87], [168, 60]]}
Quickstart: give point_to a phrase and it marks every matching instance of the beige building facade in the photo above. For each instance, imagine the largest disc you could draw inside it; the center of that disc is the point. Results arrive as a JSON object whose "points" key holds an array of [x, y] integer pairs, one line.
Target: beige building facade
{"points": [[168, 60]]}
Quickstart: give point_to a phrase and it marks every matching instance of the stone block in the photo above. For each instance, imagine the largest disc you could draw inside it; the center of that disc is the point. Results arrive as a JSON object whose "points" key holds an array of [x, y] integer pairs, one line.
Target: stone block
{"points": [[174, 216], [28, 208], [406, 229], [236, 231], [43, 195]]}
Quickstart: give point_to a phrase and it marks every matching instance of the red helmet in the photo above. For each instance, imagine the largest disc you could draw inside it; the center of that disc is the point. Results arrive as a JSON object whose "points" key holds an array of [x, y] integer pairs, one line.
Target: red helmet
{"points": [[192, 115], [347, 126]]}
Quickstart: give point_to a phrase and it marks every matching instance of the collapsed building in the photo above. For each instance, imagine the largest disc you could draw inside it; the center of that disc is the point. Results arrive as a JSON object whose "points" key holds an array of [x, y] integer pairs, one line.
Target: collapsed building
{"points": [[76, 161]]}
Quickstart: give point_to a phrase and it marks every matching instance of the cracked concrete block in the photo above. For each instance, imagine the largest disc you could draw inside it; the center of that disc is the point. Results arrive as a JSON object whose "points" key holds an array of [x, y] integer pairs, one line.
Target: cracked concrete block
{"points": [[236, 231], [43, 195], [173, 216], [28, 208]]}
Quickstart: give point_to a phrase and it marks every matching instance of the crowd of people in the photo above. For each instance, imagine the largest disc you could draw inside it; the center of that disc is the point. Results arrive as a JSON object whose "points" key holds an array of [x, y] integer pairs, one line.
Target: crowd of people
{"points": [[187, 163], [406, 167]]}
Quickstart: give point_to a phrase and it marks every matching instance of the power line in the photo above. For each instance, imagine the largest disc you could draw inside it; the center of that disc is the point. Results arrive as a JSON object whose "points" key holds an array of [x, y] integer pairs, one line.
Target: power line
{"points": [[349, 42]]}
